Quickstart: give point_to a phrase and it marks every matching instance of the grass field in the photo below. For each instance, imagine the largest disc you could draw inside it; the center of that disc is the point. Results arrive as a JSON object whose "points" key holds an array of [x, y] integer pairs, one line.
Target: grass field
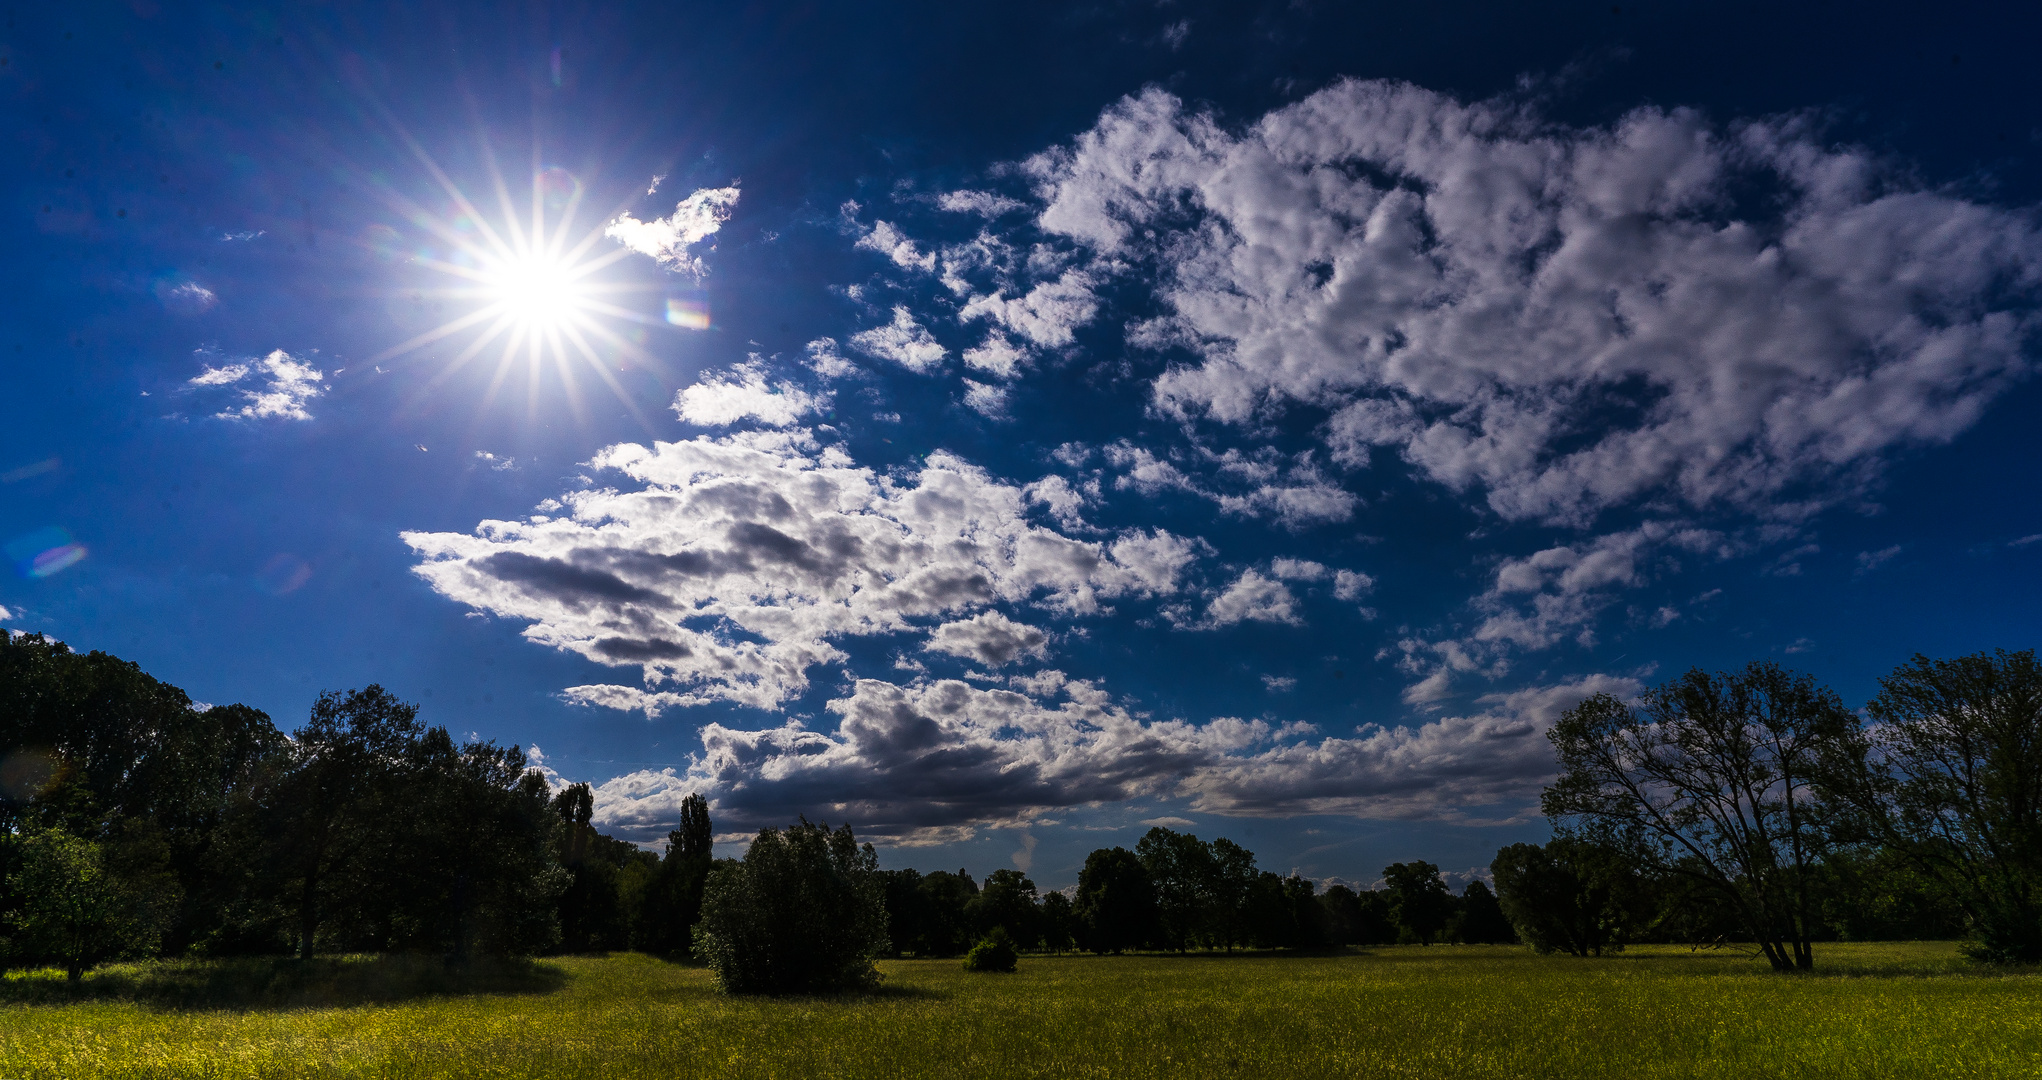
{"points": [[1462, 1012]]}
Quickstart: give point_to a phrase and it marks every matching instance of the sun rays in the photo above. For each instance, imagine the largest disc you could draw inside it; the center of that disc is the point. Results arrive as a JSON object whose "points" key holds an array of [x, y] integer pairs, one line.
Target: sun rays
{"points": [[531, 285]]}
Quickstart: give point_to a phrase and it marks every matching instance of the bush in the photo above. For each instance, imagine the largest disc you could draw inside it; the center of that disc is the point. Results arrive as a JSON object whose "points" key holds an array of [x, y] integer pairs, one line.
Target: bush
{"points": [[994, 952], [805, 911]]}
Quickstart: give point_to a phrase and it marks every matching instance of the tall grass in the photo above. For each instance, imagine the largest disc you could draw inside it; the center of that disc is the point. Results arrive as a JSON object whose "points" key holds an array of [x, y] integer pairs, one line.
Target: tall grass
{"points": [[1462, 1012]]}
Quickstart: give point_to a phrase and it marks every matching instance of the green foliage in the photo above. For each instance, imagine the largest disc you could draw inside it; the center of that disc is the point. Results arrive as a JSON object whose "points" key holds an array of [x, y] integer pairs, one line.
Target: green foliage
{"points": [[673, 896], [1572, 895], [76, 910], [1420, 904], [1481, 920], [803, 912], [1116, 903], [1471, 1013], [994, 952], [1715, 777]]}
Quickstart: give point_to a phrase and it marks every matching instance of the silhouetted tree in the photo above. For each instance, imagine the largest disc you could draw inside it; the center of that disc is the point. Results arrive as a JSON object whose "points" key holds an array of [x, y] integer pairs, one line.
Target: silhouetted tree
{"points": [[1715, 775], [946, 908], [674, 895], [1481, 920], [1571, 895], [1008, 900], [1059, 923], [804, 910], [1180, 867], [1951, 778], [1116, 903], [1420, 903]]}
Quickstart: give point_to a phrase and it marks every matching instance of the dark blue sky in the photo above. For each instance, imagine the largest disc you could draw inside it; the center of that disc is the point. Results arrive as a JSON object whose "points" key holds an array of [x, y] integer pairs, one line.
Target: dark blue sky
{"points": [[1266, 418]]}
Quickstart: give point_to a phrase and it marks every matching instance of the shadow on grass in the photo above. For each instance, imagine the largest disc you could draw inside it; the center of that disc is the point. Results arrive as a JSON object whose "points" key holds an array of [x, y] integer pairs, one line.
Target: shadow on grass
{"points": [[257, 983]]}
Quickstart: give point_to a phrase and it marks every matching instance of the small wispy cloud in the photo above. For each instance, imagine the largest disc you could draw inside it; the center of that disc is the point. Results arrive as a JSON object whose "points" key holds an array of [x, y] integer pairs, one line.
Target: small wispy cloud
{"points": [[1869, 561], [284, 385], [667, 240]]}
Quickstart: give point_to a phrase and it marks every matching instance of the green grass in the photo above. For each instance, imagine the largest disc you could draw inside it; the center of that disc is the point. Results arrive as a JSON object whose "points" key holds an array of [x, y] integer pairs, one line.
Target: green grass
{"points": [[1462, 1012]]}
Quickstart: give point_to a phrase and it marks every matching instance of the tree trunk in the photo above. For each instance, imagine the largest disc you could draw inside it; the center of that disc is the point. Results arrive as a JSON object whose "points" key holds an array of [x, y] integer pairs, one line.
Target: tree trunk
{"points": [[76, 971], [308, 915]]}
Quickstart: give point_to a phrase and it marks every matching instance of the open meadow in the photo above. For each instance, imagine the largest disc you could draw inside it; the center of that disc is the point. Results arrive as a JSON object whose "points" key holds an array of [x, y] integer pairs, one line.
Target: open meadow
{"points": [[1881, 1010]]}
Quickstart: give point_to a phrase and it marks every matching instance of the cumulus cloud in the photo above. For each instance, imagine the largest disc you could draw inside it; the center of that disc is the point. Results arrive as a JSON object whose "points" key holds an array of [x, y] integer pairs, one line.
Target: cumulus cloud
{"points": [[931, 759], [284, 385], [1252, 598], [667, 240], [996, 356], [1260, 484], [985, 399], [903, 341], [889, 241], [732, 566], [1556, 319], [724, 398], [990, 638], [826, 361]]}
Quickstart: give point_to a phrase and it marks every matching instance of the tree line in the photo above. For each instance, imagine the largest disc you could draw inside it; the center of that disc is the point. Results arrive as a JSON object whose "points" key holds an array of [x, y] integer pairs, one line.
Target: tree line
{"points": [[1731, 807]]}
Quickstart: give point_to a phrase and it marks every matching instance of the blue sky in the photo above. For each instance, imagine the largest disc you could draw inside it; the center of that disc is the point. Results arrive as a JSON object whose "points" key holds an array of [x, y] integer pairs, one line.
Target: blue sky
{"points": [[1005, 431]]}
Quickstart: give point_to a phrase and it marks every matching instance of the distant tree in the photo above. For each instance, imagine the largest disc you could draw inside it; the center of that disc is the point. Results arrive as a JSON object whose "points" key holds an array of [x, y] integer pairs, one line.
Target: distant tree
{"points": [[905, 909], [76, 911], [674, 896], [472, 863], [592, 915], [1340, 908], [1716, 777], [1181, 868], [1059, 923], [993, 953], [1874, 893], [1228, 892], [1116, 903], [1572, 895], [328, 805], [947, 902], [805, 910], [1419, 901], [1008, 900], [1284, 913], [1950, 777], [94, 745], [1481, 919]]}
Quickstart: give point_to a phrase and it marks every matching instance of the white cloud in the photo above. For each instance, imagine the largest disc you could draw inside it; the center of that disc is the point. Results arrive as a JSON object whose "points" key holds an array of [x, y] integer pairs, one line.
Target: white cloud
{"points": [[721, 399], [989, 638], [1169, 822], [985, 399], [944, 756], [1253, 598], [826, 361], [903, 341], [186, 297], [983, 203], [1265, 484], [667, 240], [1560, 320], [731, 569], [1279, 684], [1299, 570], [889, 241], [286, 386], [1047, 315], [1351, 584], [997, 356], [1869, 561]]}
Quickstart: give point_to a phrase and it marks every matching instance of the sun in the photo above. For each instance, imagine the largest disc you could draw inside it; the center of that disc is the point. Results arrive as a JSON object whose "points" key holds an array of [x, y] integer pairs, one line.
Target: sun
{"points": [[526, 283], [539, 292]]}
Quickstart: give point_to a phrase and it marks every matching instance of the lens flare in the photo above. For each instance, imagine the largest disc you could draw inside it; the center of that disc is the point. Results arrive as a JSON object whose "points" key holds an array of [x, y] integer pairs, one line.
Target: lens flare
{"points": [[44, 552]]}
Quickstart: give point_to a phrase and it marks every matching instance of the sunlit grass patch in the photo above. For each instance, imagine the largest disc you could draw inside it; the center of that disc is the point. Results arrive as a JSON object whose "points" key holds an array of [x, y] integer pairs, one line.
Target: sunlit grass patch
{"points": [[1871, 1011]]}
